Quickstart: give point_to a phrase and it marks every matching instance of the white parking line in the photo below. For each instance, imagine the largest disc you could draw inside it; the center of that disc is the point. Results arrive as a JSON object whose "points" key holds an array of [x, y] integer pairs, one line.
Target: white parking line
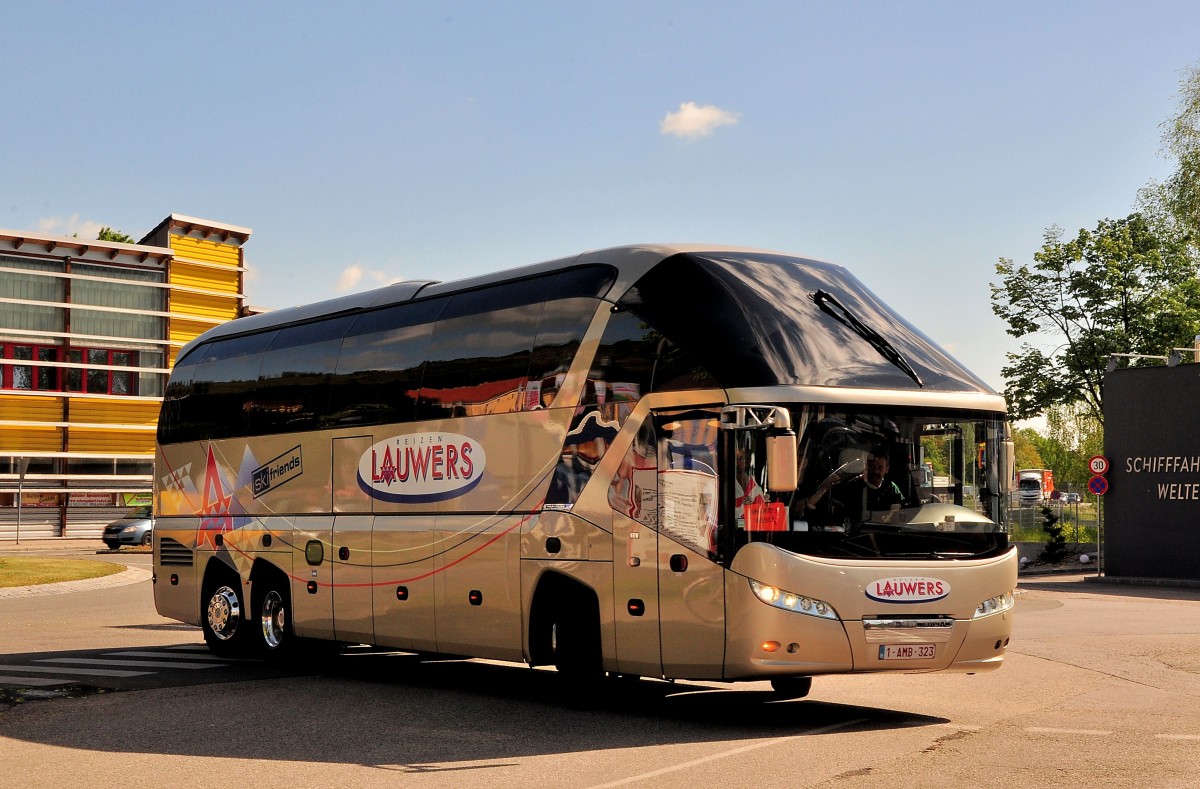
{"points": [[176, 656], [34, 682], [84, 672], [139, 663], [1178, 736], [731, 752]]}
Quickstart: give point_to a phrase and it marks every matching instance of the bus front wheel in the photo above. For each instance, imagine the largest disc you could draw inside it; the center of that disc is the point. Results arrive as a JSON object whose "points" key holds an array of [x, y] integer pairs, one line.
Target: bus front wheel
{"points": [[791, 687], [575, 639]]}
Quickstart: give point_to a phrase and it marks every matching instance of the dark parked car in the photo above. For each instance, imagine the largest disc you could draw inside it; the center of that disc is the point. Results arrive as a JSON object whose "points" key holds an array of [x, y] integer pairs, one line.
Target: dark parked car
{"points": [[135, 527]]}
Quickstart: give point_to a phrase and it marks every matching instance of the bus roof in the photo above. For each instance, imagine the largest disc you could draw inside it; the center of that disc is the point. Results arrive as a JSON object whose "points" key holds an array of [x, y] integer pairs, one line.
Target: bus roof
{"points": [[748, 317], [630, 261]]}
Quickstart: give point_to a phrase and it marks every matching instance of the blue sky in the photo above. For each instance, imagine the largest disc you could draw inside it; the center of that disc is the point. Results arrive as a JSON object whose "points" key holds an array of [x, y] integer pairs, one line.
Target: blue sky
{"points": [[913, 143]]}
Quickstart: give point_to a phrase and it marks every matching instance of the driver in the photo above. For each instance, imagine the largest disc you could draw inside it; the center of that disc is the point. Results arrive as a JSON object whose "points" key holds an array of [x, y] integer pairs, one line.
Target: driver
{"points": [[873, 490], [870, 491]]}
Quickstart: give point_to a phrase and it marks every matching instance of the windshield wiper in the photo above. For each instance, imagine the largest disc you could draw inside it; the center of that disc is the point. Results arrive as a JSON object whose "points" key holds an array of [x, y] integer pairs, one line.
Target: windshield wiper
{"points": [[836, 310]]}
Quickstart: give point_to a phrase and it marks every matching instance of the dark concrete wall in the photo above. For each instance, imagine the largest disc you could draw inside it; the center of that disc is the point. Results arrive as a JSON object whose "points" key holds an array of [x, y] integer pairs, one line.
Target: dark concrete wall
{"points": [[1152, 442]]}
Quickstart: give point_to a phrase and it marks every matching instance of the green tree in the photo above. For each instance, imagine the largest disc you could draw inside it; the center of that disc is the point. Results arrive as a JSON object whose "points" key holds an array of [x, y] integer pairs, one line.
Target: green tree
{"points": [[1025, 450], [108, 234], [1121, 288], [1072, 436], [1056, 542], [1181, 139]]}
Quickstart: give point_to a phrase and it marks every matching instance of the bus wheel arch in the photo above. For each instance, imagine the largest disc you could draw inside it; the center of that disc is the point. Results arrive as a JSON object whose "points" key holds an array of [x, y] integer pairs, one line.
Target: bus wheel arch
{"points": [[564, 626]]}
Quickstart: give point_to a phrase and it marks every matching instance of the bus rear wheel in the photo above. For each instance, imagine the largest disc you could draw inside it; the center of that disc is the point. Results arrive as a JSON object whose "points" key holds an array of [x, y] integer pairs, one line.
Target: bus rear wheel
{"points": [[273, 609]]}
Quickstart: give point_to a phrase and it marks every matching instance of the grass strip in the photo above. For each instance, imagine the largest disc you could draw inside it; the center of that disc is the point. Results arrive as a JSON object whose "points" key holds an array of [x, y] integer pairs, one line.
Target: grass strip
{"points": [[31, 570]]}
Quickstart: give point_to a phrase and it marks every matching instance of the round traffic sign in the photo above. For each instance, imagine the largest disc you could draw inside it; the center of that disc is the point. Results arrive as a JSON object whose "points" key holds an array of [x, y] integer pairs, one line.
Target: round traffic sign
{"points": [[1098, 485], [1098, 464]]}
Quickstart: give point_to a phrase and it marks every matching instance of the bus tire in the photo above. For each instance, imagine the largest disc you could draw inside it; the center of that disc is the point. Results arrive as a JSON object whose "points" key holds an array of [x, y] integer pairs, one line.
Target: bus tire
{"points": [[576, 639], [791, 687], [225, 632], [271, 613], [273, 618]]}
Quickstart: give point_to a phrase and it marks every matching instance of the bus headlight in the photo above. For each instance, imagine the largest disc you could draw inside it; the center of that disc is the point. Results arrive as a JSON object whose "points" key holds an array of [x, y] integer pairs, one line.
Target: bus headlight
{"points": [[994, 605], [790, 601]]}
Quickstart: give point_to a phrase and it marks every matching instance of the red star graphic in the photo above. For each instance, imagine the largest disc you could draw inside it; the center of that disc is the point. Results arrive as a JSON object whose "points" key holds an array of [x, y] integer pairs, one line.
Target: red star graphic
{"points": [[214, 509]]}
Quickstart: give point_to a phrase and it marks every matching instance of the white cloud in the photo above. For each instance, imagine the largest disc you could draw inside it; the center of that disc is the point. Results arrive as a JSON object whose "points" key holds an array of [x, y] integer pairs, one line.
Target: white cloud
{"points": [[350, 277], [355, 274], [692, 121], [72, 226]]}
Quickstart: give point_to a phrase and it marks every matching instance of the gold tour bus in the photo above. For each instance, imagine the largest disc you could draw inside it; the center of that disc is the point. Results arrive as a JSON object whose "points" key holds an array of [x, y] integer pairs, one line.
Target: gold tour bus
{"points": [[687, 462]]}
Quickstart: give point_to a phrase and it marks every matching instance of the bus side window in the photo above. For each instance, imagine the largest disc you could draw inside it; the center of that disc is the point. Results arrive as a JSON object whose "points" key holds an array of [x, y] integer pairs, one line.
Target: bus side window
{"points": [[634, 488], [295, 378], [687, 481], [379, 365]]}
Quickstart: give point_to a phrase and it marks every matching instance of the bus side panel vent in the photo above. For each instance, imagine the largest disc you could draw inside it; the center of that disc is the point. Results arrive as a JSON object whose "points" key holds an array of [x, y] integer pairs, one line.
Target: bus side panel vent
{"points": [[174, 553]]}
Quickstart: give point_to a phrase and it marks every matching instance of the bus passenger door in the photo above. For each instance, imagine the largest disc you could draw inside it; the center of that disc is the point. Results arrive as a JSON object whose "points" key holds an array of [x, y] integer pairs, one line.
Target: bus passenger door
{"points": [[633, 498], [635, 585], [352, 616], [691, 587]]}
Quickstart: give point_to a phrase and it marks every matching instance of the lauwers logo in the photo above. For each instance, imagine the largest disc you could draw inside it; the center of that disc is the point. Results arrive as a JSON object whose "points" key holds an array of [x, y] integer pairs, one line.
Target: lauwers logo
{"points": [[907, 590], [421, 467]]}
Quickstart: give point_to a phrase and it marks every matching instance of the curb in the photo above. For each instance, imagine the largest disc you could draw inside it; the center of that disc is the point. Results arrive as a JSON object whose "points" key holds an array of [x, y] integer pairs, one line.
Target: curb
{"points": [[59, 545]]}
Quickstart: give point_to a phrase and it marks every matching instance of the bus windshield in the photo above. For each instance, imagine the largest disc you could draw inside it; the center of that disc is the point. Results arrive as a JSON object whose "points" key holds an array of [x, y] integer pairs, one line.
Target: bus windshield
{"points": [[875, 483]]}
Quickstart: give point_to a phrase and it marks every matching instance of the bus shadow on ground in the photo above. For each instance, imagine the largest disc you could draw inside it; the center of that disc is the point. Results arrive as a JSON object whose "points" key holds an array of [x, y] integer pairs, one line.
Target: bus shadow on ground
{"points": [[411, 713]]}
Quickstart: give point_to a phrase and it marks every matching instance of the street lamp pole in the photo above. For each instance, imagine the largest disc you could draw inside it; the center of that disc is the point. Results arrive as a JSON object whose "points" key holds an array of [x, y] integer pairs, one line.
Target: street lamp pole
{"points": [[22, 467]]}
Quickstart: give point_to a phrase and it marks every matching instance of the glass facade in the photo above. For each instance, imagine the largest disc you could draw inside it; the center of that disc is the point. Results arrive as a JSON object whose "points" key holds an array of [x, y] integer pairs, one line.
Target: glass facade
{"points": [[86, 338], [131, 307]]}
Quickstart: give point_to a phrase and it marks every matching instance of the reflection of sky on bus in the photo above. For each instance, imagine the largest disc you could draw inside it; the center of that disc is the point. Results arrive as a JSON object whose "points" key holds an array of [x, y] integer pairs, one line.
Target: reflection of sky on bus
{"points": [[913, 144]]}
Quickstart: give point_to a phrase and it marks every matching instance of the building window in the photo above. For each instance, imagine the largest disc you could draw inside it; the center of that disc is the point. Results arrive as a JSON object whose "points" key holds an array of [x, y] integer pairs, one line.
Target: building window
{"points": [[48, 377], [95, 377], [28, 376]]}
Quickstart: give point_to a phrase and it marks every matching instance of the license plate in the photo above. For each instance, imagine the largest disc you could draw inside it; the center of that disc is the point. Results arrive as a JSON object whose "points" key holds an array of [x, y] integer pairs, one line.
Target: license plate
{"points": [[907, 651]]}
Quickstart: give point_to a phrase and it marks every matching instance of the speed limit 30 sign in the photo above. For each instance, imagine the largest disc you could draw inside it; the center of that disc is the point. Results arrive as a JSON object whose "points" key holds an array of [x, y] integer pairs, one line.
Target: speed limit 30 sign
{"points": [[1098, 464]]}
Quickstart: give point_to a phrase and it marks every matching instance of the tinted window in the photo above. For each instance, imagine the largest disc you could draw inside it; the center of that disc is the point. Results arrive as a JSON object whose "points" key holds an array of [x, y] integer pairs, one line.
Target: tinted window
{"points": [[754, 320], [209, 388], [379, 368], [565, 319], [634, 359], [171, 427], [478, 359], [293, 382], [468, 353]]}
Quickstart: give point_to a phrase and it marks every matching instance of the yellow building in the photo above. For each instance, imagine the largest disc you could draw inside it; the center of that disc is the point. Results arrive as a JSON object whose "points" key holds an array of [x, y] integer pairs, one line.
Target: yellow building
{"points": [[88, 333]]}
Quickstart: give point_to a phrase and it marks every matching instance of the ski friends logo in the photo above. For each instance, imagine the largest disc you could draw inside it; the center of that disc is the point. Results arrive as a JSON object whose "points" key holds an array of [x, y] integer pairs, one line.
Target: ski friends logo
{"points": [[421, 467], [275, 473]]}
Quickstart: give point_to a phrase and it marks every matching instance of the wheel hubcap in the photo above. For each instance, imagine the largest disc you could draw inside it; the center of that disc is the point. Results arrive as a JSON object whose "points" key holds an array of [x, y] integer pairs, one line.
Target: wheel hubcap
{"points": [[274, 619], [223, 613]]}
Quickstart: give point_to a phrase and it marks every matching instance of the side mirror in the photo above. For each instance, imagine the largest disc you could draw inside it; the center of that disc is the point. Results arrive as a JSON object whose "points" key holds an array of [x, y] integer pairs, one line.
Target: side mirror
{"points": [[783, 475]]}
